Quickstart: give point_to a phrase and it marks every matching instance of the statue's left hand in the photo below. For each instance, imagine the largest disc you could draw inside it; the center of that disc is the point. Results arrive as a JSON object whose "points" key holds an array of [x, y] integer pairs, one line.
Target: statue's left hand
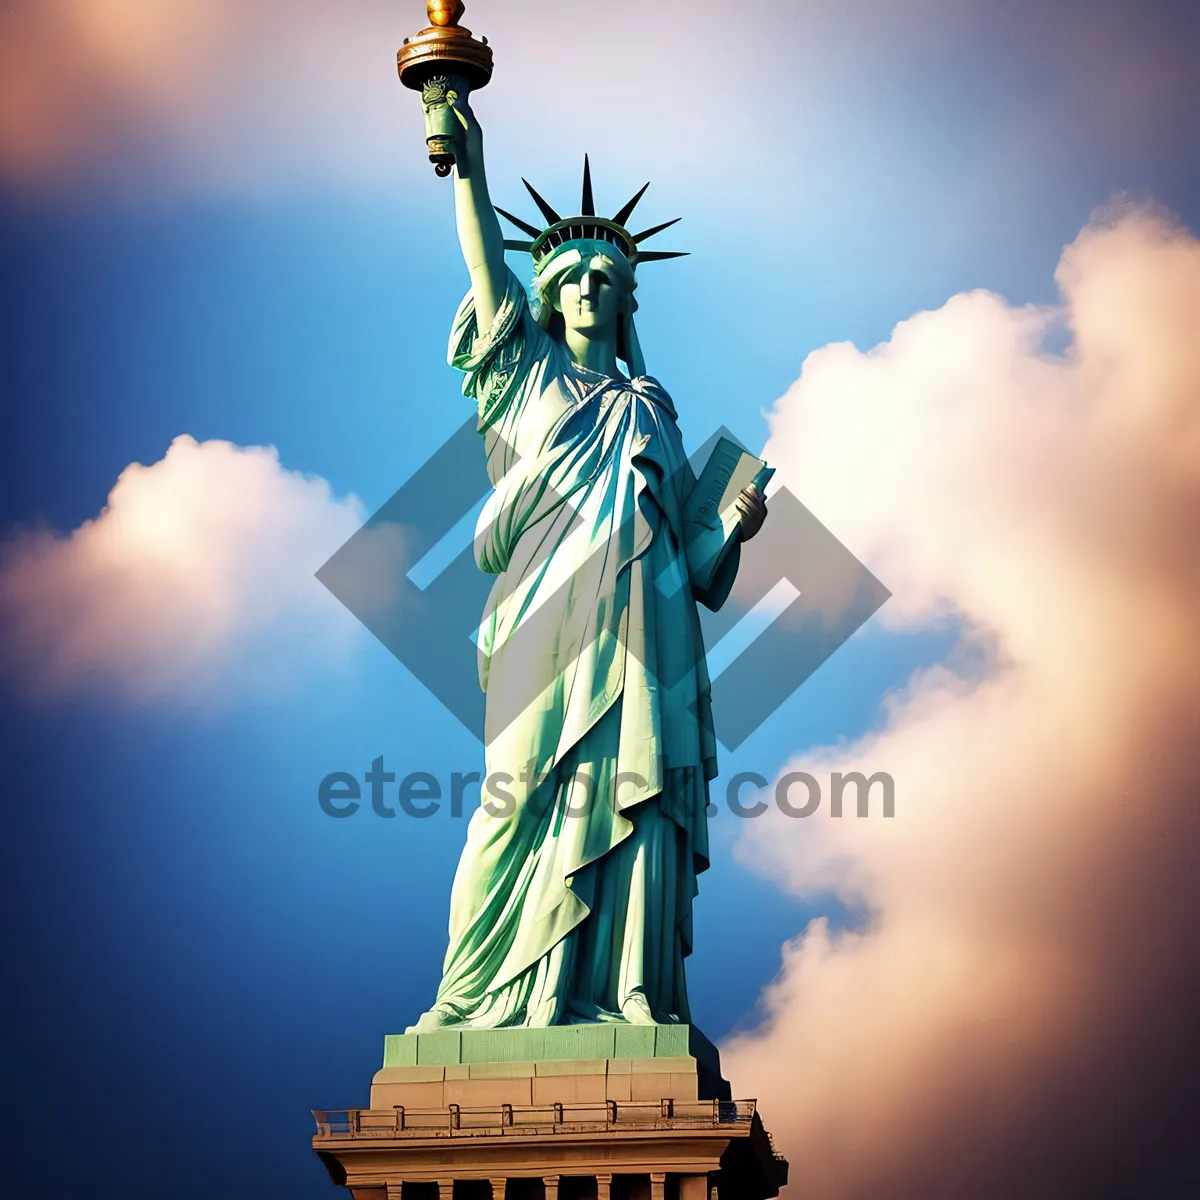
{"points": [[751, 505]]}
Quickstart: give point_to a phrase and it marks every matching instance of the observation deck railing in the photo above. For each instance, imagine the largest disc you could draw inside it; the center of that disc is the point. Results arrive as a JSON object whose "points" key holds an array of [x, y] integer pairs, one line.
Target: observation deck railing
{"points": [[533, 1120]]}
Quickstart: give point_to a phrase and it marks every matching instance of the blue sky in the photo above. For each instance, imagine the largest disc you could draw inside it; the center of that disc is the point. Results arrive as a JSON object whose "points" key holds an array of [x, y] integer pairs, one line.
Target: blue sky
{"points": [[191, 939]]}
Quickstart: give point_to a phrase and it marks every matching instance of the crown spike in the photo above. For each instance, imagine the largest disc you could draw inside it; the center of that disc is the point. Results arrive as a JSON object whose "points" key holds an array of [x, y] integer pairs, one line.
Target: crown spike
{"points": [[588, 206], [625, 213], [510, 244], [547, 211], [659, 255], [521, 225], [641, 237]]}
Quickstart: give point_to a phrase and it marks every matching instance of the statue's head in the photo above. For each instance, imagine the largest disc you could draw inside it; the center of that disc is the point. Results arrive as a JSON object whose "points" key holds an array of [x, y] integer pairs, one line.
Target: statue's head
{"points": [[588, 286], [584, 266]]}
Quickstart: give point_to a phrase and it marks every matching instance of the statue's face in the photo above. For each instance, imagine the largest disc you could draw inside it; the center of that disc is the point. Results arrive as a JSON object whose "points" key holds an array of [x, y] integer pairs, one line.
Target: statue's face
{"points": [[589, 299]]}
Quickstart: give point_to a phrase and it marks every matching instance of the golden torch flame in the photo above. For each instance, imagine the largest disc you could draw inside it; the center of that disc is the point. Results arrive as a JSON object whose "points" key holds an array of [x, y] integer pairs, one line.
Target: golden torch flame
{"points": [[445, 12]]}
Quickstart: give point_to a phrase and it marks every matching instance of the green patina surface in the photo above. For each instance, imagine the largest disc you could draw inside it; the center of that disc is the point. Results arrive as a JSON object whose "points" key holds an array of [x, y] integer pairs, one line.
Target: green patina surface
{"points": [[571, 908], [553, 1043]]}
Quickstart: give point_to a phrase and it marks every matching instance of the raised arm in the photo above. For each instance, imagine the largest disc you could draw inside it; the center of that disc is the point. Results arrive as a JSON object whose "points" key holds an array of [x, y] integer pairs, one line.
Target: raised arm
{"points": [[479, 232]]}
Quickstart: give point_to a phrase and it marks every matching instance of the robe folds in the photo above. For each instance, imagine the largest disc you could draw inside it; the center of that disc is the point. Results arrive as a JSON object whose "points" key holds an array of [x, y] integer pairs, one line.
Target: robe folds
{"points": [[572, 901]]}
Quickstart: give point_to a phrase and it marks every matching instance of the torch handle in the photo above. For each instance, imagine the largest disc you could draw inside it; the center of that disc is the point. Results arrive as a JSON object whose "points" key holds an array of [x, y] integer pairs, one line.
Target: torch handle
{"points": [[443, 130]]}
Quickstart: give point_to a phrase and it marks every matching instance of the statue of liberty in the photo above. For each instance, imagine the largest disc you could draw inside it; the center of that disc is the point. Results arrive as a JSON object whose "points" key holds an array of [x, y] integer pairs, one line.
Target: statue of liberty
{"points": [[572, 901]]}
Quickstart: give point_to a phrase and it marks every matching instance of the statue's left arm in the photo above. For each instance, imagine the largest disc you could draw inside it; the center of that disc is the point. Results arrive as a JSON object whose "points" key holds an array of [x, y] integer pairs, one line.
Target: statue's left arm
{"points": [[712, 582], [751, 505]]}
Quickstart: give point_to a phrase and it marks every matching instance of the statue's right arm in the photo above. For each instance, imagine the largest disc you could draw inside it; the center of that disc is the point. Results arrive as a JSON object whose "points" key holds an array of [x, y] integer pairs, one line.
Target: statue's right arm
{"points": [[479, 232]]}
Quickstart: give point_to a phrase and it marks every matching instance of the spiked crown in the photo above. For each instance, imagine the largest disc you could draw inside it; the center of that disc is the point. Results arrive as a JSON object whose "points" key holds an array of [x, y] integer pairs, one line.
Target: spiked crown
{"points": [[561, 232]]}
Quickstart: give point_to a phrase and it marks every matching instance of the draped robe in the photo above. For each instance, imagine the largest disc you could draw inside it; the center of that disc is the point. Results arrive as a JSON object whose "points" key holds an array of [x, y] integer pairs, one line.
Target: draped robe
{"points": [[572, 901]]}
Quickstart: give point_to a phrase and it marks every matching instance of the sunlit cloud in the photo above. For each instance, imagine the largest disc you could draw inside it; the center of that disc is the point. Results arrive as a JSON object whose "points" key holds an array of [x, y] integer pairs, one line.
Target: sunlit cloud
{"points": [[195, 583], [1011, 1018]]}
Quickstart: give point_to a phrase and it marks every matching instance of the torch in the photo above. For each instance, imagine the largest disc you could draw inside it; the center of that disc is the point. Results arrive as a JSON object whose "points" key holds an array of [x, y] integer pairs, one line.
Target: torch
{"points": [[443, 62]]}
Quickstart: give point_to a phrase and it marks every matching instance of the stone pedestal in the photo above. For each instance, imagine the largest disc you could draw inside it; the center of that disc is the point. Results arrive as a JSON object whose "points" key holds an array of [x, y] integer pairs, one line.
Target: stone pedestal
{"points": [[584, 1112], [566, 1064]]}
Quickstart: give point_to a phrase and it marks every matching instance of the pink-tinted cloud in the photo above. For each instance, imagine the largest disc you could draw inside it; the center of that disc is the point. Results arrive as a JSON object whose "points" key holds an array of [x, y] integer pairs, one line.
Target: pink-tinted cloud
{"points": [[145, 97], [79, 77], [163, 97], [1016, 1018], [154, 98], [196, 580]]}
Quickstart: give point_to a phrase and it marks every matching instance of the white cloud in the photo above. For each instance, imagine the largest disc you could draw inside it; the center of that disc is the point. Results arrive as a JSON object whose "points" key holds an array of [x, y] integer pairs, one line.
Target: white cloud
{"points": [[196, 580], [1013, 1014]]}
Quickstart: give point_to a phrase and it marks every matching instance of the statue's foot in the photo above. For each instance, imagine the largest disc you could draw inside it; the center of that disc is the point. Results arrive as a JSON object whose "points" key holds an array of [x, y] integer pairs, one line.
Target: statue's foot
{"points": [[635, 1008]]}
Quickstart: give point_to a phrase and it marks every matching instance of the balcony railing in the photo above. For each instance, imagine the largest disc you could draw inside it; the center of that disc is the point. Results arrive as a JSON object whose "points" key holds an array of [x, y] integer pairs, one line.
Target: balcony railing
{"points": [[532, 1120]]}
